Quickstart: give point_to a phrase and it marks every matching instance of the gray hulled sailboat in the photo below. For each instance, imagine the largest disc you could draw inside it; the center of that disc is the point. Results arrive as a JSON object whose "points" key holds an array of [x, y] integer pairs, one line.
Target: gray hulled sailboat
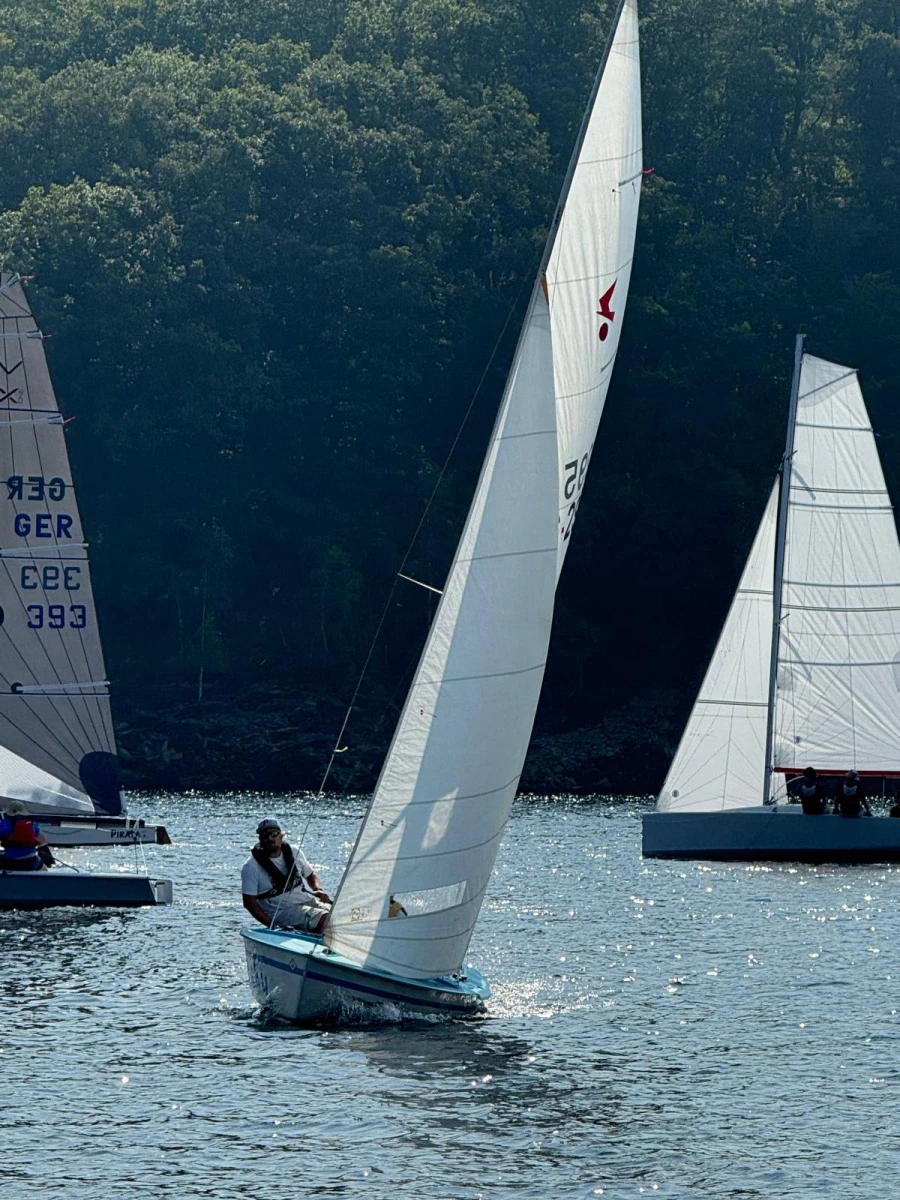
{"points": [[417, 877], [57, 747], [806, 672]]}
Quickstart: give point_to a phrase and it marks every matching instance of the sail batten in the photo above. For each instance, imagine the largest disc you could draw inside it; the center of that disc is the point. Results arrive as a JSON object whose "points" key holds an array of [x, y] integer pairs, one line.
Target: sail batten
{"points": [[443, 798]]}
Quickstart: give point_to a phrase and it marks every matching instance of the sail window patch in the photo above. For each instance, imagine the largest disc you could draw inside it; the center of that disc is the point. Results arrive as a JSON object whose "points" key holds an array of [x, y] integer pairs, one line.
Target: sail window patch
{"points": [[429, 900]]}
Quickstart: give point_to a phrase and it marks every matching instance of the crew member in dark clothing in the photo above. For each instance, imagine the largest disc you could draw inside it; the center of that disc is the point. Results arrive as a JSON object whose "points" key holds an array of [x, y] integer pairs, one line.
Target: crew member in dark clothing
{"points": [[850, 801], [809, 791], [895, 811]]}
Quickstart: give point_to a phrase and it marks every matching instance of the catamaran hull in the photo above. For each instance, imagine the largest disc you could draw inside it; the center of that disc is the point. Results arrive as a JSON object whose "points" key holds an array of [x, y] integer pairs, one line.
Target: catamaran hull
{"points": [[778, 834], [55, 889], [293, 976], [101, 831]]}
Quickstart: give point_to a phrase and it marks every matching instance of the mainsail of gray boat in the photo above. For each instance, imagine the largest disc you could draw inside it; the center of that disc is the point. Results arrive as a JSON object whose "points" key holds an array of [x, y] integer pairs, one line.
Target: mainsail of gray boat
{"points": [[806, 673], [57, 745]]}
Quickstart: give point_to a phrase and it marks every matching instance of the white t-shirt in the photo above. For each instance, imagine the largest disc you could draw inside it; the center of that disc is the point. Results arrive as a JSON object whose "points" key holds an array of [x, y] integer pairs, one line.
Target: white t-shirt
{"points": [[255, 881]]}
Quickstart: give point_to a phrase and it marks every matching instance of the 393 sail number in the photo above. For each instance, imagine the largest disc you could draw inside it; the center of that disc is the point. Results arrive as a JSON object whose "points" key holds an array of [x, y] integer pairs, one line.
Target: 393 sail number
{"points": [[56, 616], [51, 578]]}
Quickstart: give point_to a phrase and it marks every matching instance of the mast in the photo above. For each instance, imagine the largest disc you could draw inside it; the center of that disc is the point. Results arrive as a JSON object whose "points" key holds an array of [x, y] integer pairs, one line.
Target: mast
{"points": [[778, 577]]}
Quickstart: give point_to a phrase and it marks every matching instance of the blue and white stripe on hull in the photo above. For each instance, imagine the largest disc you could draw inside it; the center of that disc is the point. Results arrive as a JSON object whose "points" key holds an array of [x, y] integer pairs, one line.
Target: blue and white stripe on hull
{"points": [[295, 977]]}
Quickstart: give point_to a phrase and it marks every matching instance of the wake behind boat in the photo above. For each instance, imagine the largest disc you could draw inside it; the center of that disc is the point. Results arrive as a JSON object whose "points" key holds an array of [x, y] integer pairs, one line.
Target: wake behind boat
{"points": [[412, 890], [57, 746], [806, 673]]}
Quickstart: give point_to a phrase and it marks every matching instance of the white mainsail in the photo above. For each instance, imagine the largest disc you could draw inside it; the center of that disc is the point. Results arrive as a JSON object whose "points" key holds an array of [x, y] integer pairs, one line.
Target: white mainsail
{"points": [[589, 267], [56, 735], [720, 762], [428, 843], [837, 699]]}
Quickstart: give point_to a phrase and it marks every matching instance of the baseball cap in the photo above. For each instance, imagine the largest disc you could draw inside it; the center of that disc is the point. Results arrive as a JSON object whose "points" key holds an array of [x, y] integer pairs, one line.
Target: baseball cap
{"points": [[268, 823]]}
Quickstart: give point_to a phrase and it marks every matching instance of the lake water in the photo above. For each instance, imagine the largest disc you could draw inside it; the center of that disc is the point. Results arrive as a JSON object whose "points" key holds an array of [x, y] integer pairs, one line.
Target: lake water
{"points": [[657, 1029]]}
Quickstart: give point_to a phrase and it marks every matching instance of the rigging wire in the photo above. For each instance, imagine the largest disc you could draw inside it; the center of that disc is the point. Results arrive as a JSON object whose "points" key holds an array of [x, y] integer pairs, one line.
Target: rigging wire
{"points": [[513, 307], [440, 478]]}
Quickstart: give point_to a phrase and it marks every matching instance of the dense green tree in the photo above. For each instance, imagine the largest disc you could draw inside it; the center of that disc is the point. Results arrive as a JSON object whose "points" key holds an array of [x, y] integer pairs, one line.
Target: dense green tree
{"points": [[282, 246]]}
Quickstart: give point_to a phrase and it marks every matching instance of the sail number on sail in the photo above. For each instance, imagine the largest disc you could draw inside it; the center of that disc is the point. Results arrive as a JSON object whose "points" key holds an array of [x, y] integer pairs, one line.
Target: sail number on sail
{"points": [[57, 527], [573, 483], [57, 617]]}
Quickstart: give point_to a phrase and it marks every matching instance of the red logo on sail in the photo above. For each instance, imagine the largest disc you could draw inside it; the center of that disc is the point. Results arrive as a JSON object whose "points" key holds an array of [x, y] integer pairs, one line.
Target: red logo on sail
{"points": [[606, 312]]}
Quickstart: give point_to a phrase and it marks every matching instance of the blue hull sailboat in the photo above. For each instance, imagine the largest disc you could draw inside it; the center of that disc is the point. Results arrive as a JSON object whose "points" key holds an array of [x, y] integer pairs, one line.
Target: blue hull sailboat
{"points": [[412, 890]]}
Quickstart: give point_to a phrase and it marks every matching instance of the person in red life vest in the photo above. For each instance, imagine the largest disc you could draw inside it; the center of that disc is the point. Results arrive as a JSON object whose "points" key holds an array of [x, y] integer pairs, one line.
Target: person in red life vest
{"points": [[20, 838], [279, 886]]}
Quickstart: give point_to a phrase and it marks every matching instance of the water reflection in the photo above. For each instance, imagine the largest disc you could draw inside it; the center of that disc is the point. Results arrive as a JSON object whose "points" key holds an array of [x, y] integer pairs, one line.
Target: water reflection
{"points": [[657, 1029]]}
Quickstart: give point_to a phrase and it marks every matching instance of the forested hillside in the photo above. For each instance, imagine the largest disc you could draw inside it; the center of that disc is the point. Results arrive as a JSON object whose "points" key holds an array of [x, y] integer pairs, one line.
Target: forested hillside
{"points": [[280, 244]]}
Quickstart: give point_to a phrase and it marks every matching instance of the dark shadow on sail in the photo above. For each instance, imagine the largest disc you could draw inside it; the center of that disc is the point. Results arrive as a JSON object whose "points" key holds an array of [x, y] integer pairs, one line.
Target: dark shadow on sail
{"points": [[99, 772]]}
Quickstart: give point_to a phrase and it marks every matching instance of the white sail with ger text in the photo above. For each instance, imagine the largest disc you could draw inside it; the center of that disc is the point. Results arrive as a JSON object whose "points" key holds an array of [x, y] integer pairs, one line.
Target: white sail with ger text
{"points": [[57, 745]]}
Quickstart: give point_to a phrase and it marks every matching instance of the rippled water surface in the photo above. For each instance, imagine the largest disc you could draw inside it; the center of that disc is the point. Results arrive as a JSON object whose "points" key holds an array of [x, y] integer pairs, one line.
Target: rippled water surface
{"points": [[656, 1029]]}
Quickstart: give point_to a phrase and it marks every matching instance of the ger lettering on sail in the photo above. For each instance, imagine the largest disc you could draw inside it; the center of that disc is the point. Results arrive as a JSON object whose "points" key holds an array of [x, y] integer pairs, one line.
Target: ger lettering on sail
{"points": [[57, 746]]}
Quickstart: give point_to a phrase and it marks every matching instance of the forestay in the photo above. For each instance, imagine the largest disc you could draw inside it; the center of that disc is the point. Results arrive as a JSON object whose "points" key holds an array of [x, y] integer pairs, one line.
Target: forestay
{"points": [[417, 876], [56, 736], [720, 762], [837, 700]]}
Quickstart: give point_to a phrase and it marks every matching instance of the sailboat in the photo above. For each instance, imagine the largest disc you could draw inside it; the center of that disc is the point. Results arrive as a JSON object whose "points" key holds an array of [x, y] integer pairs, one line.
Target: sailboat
{"points": [[417, 876], [57, 747], [806, 672]]}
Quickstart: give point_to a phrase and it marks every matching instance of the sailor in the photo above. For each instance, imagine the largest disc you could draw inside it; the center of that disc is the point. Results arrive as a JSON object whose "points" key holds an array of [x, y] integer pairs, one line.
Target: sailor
{"points": [[280, 887], [850, 801], [810, 793], [20, 838]]}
